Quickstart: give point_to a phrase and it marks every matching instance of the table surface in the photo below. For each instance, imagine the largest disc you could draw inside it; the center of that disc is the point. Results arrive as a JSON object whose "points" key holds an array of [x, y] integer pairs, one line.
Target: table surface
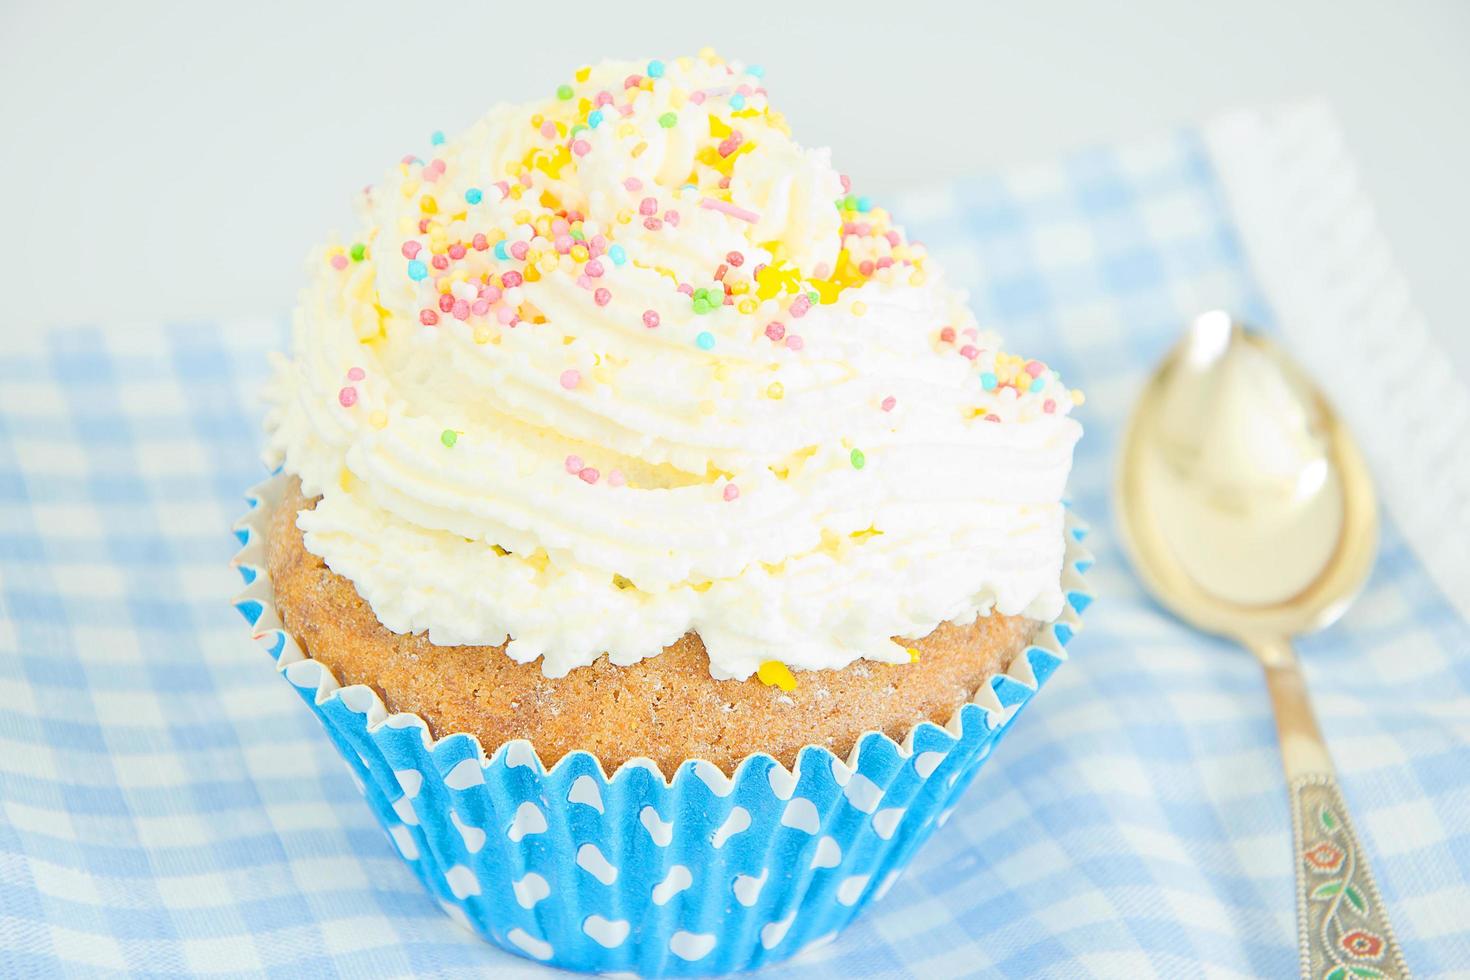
{"points": [[177, 160]]}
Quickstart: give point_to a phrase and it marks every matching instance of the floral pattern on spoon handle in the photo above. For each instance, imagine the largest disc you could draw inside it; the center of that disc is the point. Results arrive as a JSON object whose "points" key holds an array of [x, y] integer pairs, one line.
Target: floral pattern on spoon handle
{"points": [[1345, 933]]}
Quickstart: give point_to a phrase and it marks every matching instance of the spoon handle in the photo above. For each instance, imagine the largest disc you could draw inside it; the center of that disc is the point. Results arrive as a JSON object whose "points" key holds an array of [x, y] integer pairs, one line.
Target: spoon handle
{"points": [[1342, 925]]}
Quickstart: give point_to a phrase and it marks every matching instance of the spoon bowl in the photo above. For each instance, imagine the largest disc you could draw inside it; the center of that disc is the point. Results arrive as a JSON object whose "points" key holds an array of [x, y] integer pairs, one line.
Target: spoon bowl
{"points": [[1149, 451]]}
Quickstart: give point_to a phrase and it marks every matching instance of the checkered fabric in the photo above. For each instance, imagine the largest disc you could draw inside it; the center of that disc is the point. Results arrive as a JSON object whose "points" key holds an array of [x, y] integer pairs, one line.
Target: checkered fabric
{"points": [[167, 805]]}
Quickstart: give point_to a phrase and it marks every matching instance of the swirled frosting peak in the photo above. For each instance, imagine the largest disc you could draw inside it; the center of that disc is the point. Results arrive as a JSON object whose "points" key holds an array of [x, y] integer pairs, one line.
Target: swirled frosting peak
{"points": [[628, 362]]}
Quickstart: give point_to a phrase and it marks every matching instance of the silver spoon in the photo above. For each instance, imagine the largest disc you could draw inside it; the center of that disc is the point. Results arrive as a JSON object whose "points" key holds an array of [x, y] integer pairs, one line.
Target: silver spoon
{"points": [[1248, 511]]}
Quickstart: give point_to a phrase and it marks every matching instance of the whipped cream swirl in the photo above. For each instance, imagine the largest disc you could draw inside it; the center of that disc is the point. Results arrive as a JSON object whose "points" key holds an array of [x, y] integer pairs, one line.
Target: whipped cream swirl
{"points": [[613, 366]]}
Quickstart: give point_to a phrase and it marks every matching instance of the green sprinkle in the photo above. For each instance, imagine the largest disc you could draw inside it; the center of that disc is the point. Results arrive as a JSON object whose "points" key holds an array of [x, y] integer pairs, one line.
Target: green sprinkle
{"points": [[564, 92], [359, 250], [449, 437], [850, 202], [577, 234], [578, 129], [813, 296], [667, 120], [705, 340], [858, 459]]}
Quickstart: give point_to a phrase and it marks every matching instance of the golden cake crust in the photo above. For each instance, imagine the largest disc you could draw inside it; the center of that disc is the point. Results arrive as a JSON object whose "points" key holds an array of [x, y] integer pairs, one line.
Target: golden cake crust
{"points": [[666, 708]]}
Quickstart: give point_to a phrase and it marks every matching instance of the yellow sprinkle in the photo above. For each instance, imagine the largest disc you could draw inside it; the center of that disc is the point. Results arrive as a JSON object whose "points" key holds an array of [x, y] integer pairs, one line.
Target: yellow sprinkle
{"points": [[537, 119], [913, 655], [428, 205], [637, 150], [775, 390], [624, 217], [410, 188], [483, 334], [444, 284], [625, 130], [1078, 397], [579, 253], [776, 674], [583, 73], [746, 305], [522, 217], [859, 308], [378, 420]]}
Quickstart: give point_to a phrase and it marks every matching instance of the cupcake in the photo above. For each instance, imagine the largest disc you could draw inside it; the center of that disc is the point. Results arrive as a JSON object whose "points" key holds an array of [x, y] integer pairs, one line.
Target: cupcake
{"points": [[658, 537]]}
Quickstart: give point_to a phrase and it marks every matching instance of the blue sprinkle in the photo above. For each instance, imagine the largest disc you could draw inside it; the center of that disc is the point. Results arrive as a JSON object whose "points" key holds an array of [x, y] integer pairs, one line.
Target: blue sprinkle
{"points": [[473, 195], [705, 340], [500, 252], [987, 381], [755, 71], [655, 69], [865, 204], [417, 270], [618, 254], [437, 137], [1038, 383], [594, 119], [737, 101]]}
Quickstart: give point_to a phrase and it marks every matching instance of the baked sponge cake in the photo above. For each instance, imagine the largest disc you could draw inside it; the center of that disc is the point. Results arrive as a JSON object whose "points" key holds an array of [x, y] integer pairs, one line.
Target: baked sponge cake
{"points": [[623, 423]]}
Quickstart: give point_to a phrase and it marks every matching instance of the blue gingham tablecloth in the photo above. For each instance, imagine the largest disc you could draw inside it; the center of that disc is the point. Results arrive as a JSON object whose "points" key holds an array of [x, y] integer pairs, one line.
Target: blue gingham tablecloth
{"points": [[167, 806]]}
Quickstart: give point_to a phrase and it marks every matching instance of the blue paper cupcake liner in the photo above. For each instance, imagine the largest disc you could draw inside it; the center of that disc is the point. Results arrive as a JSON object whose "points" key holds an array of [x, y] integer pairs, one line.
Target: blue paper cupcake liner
{"points": [[699, 874]]}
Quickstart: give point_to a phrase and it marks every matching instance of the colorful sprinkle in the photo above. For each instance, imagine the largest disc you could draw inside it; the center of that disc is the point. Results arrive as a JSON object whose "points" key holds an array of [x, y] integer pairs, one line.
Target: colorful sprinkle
{"points": [[449, 437], [571, 378], [574, 464], [474, 195], [602, 296], [356, 374], [655, 69], [705, 340], [359, 252], [436, 138], [615, 478], [776, 674], [417, 270], [857, 459], [737, 102], [732, 492], [775, 330], [339, 262], [888, 403], [618, 254], [347, 396], [588, 475], [564, 92], [668, 120]]}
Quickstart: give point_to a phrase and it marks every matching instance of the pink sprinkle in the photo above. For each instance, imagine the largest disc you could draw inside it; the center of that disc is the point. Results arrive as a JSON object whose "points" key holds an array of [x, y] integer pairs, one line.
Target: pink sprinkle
{"points": [[563, 243], [506, 316], [650, 318], [480, 307], [686, 289], [969, 351], [347, 396], [947, 335], [489, 293], [602, 297], [603, 98], [697, 98], [574, 464], [632, 81], [428, 317], [446, 302], [518, 250], [725, 207], [615, 478], [800, 305], [588, 475], [652, 224], [633, 184], [735, 259], [584, 281], [648, 205], [846, 183], [1034, 368], [356, 374], [512, 279], [893, 238], [884, 262], [525, 180], [992, 417], [1048, 406], [866, 267], [775, 330], [480, 242], [440, 262], [410, 249], [570, 378], [888, 403], [672, 217], [593, 269], [731, 491], [548, 129], [580, 147], [461, 310], [457, 251], [794, 342], [339, 261], [559, 226]]}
